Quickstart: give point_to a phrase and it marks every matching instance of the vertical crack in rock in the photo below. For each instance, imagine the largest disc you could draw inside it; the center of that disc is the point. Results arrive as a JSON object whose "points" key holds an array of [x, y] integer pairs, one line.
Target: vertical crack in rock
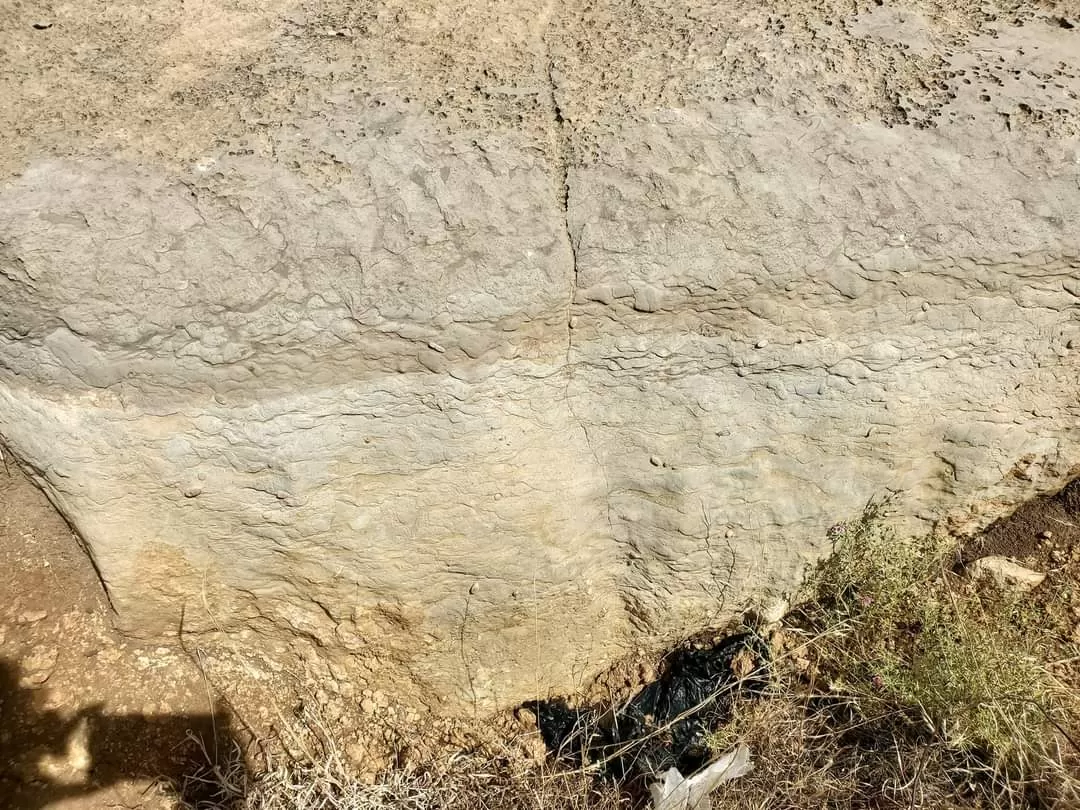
{"points": [[562, 149], [600, 466], [562, 155]]}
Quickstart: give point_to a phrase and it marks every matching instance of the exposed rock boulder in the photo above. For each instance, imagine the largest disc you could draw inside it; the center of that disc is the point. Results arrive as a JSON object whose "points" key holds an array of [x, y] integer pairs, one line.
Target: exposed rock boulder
{"points": [[470, 342], [1007, 573]]}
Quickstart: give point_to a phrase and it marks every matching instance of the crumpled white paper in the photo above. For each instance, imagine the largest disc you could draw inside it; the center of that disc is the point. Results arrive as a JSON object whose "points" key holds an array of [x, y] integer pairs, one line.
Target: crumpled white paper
{"points": [[677, 792]]}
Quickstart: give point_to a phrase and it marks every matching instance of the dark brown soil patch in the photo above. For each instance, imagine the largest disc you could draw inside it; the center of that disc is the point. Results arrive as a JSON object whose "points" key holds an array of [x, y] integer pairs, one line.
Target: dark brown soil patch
{"points": [[1053, 520]]}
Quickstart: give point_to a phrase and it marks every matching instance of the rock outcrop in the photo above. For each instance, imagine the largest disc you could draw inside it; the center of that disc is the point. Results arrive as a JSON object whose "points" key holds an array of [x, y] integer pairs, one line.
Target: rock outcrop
{"points": [[470, 342]]}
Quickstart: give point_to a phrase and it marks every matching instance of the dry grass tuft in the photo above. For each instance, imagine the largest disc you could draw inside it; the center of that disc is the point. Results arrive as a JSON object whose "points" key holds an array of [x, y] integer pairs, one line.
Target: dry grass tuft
{"points": [[473, 782], [467, 782], [806, 757], [326, 781]]}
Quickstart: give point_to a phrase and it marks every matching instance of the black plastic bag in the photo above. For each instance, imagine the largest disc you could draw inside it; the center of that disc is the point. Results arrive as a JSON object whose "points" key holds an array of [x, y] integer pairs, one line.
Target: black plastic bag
{"points": [[667, 724]]}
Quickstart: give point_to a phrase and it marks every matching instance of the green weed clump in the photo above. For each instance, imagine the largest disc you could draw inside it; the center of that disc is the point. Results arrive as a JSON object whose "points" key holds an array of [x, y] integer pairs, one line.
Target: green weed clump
{"points": [[893, 628], [899, 683], [899, 630]]}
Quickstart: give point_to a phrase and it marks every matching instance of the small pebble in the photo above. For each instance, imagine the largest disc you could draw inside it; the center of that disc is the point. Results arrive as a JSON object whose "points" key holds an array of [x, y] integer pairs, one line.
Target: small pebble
{"points": [[38, 666], [356, 753], [31, 616], [656, 461]]}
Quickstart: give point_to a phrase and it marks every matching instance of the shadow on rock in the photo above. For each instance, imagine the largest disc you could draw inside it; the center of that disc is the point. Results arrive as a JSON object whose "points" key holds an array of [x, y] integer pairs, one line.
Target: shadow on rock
{"points": [[47, 756]]}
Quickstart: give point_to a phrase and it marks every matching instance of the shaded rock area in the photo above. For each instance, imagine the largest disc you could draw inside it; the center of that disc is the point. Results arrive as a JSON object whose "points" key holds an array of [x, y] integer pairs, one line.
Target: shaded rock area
{"points": [[1043, 536], [463, 345]]}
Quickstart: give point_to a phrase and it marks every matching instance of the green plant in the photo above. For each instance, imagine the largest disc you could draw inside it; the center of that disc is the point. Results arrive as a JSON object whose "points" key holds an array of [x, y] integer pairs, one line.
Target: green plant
{"points": [[896, 630], [904, 637], [900, 684]]}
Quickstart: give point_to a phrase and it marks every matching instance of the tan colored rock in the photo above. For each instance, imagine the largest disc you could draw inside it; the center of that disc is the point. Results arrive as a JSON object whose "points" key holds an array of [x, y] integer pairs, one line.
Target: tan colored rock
{"points": [[357, 325], [32, 616], [1006, 572], [38, 666]]}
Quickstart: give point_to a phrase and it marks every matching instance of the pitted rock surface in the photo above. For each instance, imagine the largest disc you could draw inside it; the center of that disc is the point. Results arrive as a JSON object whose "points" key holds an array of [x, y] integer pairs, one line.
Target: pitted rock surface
{"points": [[475, 343]]}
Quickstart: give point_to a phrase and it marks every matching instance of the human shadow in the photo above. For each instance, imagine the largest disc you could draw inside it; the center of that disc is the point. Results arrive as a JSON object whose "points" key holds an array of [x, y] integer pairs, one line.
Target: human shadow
{"points": [[47, 756]]}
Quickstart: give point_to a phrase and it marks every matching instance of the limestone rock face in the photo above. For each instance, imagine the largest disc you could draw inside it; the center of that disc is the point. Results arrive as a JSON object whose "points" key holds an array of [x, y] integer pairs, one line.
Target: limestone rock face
{"points": [[472, 343]]}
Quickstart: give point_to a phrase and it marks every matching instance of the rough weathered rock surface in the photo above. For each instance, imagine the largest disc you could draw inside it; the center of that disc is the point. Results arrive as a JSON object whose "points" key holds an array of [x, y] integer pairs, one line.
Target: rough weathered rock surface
{"points": [[470, 342], [1007, 573]]}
